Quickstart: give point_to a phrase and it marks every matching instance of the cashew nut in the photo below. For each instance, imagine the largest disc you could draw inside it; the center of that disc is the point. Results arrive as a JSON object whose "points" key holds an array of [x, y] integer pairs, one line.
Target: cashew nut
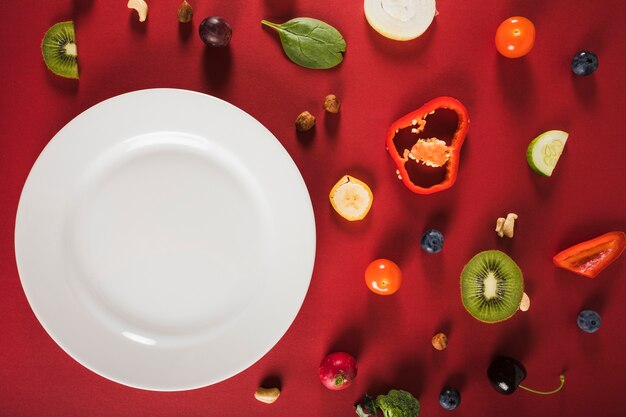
{"points": [[267, 395], [504, 227], [141, 6], [525, 303]]}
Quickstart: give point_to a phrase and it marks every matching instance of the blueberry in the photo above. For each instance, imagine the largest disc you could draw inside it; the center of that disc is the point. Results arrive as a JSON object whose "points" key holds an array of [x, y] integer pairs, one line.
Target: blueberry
{"points": [[449, 398], [584, 63], [589, 321], [432, 241]]}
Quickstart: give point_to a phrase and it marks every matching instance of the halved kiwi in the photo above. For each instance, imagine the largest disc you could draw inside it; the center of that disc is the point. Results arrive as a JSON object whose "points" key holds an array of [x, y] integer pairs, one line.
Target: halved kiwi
{"points": [[59, 50], [492, 286]]}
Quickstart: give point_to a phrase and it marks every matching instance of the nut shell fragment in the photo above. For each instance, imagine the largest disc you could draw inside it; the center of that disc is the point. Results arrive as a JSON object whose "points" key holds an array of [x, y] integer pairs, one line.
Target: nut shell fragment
{"points": [[267, 395]]}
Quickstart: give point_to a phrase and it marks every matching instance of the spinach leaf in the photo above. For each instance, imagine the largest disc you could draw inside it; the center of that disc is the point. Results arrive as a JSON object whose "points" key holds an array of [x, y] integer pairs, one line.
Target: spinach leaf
{"points": [[310, 43]]}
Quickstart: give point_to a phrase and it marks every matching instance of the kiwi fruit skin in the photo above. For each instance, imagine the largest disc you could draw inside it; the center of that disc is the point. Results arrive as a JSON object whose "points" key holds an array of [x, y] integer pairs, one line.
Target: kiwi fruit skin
{"points": [[492, 259], [59, 50]]}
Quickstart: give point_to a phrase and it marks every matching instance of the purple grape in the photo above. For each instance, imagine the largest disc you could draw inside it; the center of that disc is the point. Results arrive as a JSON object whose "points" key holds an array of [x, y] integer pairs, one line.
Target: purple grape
{"points": [[215, 31]]}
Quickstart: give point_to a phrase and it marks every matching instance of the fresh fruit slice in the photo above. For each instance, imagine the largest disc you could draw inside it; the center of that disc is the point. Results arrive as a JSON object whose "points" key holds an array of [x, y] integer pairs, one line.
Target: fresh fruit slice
{"points": [[59, 50], [492, 286], [401, 20], [351, 198], [544, 151]]}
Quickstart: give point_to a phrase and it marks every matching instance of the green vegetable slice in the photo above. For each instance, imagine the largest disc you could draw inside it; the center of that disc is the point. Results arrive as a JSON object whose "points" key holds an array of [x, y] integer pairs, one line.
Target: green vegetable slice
{"points": [[544, 151], [310, 43]]}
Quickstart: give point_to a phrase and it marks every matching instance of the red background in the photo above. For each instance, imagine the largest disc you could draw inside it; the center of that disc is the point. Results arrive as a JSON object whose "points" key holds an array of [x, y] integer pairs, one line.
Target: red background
{"points": [[509, 101]]}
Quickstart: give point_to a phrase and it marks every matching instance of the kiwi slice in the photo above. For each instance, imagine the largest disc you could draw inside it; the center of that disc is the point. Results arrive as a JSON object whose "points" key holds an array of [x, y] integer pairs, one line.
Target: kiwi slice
{"points": [[59, 50], [492, 286]]}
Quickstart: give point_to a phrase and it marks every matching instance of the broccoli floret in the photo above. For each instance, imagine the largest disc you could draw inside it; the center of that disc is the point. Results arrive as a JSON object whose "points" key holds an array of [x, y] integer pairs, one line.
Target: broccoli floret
{"points": [[398, 403]]}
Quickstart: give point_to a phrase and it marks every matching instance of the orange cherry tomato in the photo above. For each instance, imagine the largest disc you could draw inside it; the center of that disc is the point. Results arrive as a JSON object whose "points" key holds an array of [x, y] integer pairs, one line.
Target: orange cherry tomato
{"points": [[515, 37], [383, 276]]}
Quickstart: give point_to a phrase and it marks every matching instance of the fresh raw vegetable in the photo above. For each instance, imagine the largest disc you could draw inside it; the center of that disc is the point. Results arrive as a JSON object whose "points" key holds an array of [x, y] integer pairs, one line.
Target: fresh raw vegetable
{"points": [[424, 151], [338, 370], [398, 403], [215, 31], [589, 321], [591, 257], [185, 12], [383, 277], [401, 20], [584, 63], [432, 241], [141, 7], [515, 37], [449, 398], [59, 50], [310, 43], [351, 198], [492, 286], [505, 375], [544, 151]]}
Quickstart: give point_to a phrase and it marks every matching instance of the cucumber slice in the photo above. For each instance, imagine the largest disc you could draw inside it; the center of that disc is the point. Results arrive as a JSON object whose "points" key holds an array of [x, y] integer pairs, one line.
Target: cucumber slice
{"points": [[544, 151]]}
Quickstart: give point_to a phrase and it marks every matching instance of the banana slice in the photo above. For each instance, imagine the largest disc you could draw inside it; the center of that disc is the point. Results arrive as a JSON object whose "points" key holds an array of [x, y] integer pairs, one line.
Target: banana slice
{"points": [[351, 198], [401, 20]]}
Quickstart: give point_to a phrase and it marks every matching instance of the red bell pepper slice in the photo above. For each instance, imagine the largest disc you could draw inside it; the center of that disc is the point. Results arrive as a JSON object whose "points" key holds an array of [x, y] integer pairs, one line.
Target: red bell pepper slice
{"points": [[431, 152], [591, 257]]}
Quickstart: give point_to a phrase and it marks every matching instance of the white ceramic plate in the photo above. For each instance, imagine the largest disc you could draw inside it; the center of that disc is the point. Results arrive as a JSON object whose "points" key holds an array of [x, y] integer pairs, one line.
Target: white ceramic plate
{"points": [[165, 239]]}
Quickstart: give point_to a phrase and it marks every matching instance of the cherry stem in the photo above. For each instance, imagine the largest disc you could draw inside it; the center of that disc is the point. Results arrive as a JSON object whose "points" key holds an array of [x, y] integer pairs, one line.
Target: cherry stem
{"points": [[562, 378]]}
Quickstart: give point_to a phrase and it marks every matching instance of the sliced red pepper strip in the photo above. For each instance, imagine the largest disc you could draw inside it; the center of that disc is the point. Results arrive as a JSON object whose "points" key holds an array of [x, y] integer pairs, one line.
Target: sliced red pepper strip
{"points": [[448, 154], [591, 257]]}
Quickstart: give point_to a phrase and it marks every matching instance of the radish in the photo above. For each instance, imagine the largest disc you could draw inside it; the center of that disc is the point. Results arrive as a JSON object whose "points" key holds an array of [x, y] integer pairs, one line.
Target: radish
{"points": [[338, 370]]}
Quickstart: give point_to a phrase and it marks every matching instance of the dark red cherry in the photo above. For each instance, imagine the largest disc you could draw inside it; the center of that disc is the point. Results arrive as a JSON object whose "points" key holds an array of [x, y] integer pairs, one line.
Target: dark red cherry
{"points": [[505, 374]]}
